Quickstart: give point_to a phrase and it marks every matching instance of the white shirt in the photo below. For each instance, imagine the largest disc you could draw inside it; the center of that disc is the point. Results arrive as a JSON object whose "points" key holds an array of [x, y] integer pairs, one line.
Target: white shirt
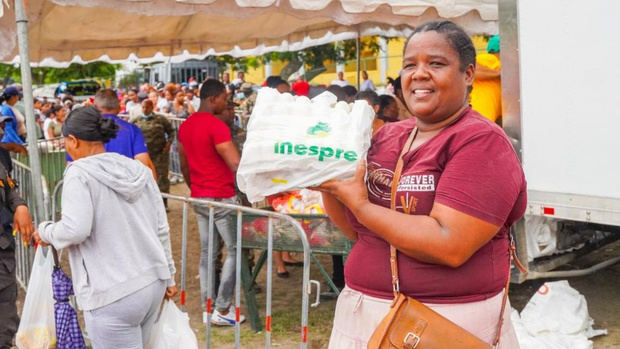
{"points": [[131, 104], [161, 104], [341, 83], [133, 110], [46, 126], [21, 121], [195, 102], [367, 85]]}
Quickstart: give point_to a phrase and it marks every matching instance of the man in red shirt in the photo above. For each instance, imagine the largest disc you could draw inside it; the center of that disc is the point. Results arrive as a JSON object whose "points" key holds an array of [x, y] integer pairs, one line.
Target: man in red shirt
{"points": [[209, 161], [301, 87]]}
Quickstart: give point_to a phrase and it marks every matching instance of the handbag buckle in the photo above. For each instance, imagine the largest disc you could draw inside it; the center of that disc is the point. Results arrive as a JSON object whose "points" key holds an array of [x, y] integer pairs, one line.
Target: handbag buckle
{"points": [[414, 338]]}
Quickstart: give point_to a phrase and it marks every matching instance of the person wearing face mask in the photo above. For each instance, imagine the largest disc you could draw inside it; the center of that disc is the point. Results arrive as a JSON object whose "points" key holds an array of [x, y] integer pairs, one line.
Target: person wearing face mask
{"points": [[247, 105], [158, 134]]}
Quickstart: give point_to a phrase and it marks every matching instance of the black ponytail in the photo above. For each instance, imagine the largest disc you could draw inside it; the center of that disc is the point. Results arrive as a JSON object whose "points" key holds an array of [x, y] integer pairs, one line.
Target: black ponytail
{"points": [[87, 124], [108, 129]]}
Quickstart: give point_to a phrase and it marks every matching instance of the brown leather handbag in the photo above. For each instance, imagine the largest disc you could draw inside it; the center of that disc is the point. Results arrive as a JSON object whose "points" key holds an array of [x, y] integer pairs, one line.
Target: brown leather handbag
{"points": [[410, 324]]}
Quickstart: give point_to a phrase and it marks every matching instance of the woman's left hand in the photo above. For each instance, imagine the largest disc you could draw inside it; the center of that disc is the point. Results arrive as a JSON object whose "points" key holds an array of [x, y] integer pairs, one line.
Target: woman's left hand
{"points": [[351, 192]]}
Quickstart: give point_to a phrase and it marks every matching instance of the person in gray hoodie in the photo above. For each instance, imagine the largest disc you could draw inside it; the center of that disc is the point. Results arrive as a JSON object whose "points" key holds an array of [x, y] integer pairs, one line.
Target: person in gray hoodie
{"points": [[115, 229]]}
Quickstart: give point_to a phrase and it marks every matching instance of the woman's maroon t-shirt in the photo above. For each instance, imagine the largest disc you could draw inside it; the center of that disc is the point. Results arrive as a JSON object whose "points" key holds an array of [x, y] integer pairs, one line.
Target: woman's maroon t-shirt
{"points": [[469, 166]]}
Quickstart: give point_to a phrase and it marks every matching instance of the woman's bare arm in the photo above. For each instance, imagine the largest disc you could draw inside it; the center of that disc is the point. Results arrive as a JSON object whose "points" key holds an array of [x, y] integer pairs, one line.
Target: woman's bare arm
{"points": [[446, 236]]}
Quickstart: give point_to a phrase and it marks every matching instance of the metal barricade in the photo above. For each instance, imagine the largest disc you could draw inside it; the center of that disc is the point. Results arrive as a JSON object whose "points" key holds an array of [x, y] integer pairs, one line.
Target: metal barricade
{"points": [[306, 288], [24, 254], [53, 160], [175, 162], [211, 205]]}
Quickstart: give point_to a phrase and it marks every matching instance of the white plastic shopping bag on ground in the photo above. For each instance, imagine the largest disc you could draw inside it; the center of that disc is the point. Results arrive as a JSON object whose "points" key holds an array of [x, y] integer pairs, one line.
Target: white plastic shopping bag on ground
{"points": [[542, 236], [37, 329], [294, 142], [556, 317], [172, 330]]}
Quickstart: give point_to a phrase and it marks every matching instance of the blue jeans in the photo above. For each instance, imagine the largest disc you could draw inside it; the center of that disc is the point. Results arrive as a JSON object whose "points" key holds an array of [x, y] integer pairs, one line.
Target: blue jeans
{"points": [[224, 228]]}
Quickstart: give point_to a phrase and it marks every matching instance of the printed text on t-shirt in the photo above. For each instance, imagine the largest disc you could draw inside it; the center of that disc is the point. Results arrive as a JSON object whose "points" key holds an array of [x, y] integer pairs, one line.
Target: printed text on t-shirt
{"points": [[417, 182]]}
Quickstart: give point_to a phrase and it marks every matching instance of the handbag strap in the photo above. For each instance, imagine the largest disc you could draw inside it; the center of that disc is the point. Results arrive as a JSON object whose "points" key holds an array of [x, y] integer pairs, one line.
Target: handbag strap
{"points": [[397, 172], [513, 254], [393, 258], [55, 255]]}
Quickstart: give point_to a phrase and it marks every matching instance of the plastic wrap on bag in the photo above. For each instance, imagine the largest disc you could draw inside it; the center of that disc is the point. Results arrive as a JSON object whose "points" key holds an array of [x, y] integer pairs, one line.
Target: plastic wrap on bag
{"points": [[299, 201], [293, 142], [321, 233]]}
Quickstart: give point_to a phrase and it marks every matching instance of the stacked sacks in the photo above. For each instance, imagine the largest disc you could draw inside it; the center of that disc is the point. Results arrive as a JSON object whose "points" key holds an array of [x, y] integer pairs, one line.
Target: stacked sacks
{"points": [[294, 142]]}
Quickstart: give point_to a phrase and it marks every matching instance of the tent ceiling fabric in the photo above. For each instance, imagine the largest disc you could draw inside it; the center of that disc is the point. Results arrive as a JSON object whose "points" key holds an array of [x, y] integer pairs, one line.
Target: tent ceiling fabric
{"points": [[63, 31]]}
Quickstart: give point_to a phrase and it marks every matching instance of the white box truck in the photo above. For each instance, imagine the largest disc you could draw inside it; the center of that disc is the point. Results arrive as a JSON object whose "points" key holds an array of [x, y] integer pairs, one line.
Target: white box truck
{"points": [[561, 94]]}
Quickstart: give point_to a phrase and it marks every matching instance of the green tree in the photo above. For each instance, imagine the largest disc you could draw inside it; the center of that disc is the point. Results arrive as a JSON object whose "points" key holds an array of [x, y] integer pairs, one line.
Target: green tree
{"points": [[313, 58], [8, 73], [47, 75], [132, 79], [77, 71]]}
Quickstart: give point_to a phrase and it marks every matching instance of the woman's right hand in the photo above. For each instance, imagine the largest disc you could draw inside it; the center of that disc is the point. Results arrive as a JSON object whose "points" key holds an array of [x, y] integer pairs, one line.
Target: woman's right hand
{"points": [[38, 240], [351, 192], [335, 210], [171, 292]]}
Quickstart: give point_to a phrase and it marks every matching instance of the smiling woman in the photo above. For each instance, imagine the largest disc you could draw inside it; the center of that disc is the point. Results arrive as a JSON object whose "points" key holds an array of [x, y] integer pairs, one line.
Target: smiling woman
{"points": [[436, 78], [460, 189]]}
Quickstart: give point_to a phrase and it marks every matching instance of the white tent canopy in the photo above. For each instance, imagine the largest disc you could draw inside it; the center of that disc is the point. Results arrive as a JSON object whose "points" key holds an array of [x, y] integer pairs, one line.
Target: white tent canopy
{"points": [[64, 31]]}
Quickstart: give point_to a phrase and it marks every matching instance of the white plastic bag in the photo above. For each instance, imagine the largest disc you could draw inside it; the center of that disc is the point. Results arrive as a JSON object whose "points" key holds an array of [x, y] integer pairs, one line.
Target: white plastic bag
{"points": [[556, 307], [37, 328], [556, 317], [172, 330], [293, 142], [542, 236]]}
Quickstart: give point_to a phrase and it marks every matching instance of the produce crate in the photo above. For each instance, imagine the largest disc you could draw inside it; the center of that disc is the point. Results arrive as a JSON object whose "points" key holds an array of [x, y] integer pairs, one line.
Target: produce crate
{"points": [[322, 234]]}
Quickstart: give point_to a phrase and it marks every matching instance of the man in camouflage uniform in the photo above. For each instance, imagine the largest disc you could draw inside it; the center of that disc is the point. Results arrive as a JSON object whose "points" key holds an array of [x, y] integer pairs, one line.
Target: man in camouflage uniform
{"points": [[158, 135], [247, 104], [238, 131]]}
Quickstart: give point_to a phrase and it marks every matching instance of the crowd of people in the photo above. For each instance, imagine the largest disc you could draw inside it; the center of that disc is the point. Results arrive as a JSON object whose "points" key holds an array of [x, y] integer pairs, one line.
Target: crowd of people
{"points": [[461, 189]]}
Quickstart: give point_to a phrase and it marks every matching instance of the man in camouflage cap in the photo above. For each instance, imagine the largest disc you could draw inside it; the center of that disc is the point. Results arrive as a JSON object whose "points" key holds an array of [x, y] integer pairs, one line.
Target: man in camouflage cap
{"points": [[158, 135]]}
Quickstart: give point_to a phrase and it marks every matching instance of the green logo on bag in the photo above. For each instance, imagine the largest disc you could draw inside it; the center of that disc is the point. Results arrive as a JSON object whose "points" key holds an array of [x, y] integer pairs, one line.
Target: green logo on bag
{"points": [[320, 130], [288, 148]]}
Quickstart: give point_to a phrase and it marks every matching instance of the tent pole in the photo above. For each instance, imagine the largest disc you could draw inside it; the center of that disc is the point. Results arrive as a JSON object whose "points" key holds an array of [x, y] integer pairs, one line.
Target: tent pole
{"points": [[33, 151], [357, 55]]}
